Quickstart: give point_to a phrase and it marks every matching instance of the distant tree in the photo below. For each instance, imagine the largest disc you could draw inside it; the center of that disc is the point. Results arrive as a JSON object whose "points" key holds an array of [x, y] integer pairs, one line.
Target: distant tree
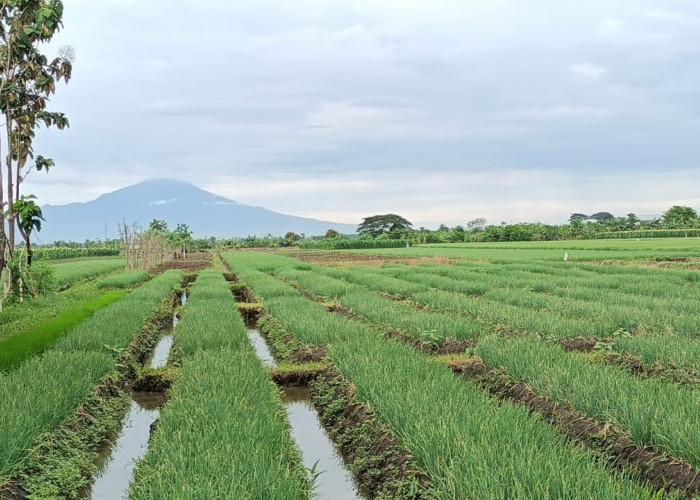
{"points": [[443, 229], [180, 238], [331, 233], [382, 224], [477, 224], [678, 217], [29, 219], [578, 216], [602, 217], [158, 226], [292, 236]]}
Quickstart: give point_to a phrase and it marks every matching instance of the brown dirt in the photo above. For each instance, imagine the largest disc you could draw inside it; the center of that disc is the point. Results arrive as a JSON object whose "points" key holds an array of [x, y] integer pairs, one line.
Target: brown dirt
{"points": [[657, 370], [373, 452], [299, 377], [343, 259], [581, 344], [194, 262], [308, 354], [660, 470], [451, 346]]}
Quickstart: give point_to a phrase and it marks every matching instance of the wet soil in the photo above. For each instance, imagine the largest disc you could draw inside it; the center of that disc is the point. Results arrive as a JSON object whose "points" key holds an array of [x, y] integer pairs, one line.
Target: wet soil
{"points": [[661, 470]]}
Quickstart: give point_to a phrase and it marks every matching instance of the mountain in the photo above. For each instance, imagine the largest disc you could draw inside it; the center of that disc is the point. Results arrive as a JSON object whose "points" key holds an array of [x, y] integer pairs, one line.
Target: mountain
{"points": [[175, 202]]}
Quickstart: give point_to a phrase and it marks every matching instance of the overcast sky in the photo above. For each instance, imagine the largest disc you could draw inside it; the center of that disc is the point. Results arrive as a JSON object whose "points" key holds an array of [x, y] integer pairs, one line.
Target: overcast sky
{"points": [[440, 111]]}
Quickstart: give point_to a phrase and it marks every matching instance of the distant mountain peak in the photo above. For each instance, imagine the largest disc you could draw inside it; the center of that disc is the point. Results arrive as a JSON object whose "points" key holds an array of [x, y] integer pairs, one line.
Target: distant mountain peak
{"points": [[174, 201]]}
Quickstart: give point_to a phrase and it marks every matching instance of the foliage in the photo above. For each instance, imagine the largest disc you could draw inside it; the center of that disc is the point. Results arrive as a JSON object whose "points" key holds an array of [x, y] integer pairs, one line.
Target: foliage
{"points": [[680, 217], [62, 252], [28, 80], [383, 224]]}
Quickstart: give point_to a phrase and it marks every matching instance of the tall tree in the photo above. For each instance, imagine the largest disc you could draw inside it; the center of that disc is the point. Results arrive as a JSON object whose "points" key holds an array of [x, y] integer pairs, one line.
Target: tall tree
{"points": [[678, 217], [27, 80], [379, 224]]}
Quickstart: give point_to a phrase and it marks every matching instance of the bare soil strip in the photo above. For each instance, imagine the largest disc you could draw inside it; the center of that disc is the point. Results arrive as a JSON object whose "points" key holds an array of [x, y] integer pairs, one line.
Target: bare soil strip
{"points": [[661, 470]]}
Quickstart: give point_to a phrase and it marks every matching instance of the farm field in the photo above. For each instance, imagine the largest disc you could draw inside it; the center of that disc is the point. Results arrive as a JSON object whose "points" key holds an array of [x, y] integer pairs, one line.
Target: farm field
{"points": [[513, 374], [584, 250]]}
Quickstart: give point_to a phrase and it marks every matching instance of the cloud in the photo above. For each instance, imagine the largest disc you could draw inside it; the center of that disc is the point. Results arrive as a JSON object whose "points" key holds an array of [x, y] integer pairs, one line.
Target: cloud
{"points": [[323, 106], [588, 70]]}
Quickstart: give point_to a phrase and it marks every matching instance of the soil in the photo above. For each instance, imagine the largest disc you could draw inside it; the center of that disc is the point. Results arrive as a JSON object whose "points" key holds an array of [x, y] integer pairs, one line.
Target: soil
{"points": [[343, 259], [660, 470], [301, 376], [369, 447], [192, 263], [308, 354], [635, 365], [581, 344]]}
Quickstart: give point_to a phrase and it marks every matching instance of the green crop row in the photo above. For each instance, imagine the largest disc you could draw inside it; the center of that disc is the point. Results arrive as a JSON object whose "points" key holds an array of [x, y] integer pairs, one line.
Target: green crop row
{"points": [[68, 273], [471, 445], [223, 433], [426, 325], [123, 280], [654, 412], [56, 253], [453, 429], [39, 394], [307, 321], [17, 348]]}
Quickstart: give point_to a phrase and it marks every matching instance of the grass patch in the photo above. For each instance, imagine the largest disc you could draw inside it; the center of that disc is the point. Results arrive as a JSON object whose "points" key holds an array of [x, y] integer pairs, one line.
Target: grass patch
{"points": [[16, 349], [123, 280]]}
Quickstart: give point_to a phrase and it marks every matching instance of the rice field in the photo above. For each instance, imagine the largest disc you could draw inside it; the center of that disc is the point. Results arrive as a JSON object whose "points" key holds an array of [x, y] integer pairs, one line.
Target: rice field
{"points": [[436, 343]]}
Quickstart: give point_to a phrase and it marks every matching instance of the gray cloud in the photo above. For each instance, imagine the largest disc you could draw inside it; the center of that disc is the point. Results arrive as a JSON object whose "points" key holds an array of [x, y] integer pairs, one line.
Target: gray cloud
{"points": [[405, 106]]}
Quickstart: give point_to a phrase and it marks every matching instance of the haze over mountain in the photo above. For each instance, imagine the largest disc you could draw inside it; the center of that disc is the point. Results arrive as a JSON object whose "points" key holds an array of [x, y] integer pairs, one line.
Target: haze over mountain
{"points": [[175, 202]]}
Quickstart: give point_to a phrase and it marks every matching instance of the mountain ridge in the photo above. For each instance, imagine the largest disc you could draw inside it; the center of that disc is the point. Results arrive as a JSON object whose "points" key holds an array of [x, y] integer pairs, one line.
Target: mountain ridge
{"points": [[177, 202]]}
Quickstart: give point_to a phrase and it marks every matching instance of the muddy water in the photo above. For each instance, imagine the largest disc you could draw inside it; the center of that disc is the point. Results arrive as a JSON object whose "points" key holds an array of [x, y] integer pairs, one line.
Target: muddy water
{"points": [[159, 358], [260, 347], [335, 481], [120, 458]]}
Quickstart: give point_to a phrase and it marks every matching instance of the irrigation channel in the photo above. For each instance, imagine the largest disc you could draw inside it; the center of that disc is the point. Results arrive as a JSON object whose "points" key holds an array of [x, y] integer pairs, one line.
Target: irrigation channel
{"points": [[334, 480], [119, 457]]}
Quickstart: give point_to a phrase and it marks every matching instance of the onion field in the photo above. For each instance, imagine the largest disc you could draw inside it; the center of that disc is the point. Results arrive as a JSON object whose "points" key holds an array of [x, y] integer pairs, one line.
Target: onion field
{"points": [[469, 371]]}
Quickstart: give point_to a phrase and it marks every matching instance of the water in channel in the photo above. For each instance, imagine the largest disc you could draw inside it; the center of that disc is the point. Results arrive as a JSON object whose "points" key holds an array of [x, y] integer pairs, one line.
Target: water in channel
{"points": [[335, 481], [162, 350], [112, 483]]}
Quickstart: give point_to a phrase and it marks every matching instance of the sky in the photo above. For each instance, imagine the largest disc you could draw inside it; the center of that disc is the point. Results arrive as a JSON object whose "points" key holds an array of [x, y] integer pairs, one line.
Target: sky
{"points": [[441, 111]]}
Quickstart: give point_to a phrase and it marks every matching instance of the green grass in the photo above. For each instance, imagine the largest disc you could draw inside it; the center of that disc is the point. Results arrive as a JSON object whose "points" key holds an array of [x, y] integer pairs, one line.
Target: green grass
{"points": [[123, 280], [68, 273], [111, 329], [471, 445], [553, 250], [223, 433], [654, 412], [39, 395], [17, 348], [41, 392]]}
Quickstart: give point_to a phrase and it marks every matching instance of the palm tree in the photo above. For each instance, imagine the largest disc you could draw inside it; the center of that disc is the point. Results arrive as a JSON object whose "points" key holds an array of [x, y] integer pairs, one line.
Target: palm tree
{"points": [[29, 219]]}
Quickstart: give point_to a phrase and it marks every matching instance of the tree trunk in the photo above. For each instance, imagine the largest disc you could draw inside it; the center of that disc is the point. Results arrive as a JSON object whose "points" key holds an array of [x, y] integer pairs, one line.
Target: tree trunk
{"points": [[10, 188]]}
